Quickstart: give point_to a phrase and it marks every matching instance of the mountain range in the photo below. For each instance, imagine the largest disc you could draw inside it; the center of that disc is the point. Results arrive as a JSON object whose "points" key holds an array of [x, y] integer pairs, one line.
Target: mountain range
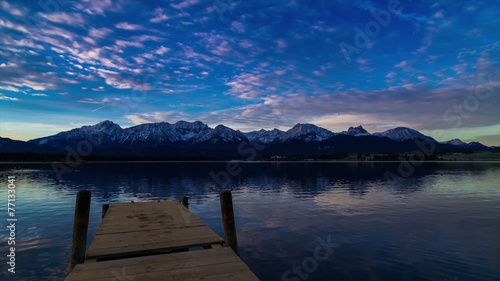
{"points": [[198, 140]]}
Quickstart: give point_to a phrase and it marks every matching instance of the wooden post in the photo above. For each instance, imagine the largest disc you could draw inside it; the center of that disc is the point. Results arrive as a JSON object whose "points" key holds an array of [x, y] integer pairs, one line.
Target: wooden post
{"points": [[226, 205], [105, 208], [80, 229], [185, 202]]}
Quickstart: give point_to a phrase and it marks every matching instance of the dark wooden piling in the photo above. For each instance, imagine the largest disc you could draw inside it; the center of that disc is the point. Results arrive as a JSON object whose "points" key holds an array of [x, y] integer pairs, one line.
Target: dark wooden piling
{"points": [[185, 202], [80, 229], [105, 208], [226, 205]]}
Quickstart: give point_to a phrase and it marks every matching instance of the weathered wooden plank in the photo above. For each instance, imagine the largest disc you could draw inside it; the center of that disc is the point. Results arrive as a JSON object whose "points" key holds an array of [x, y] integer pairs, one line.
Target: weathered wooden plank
{"points": [[242, 275], [140, 226], [144, 205], [150, 248], [175, 217], [116, 243], [109, 240], [174, 261], [216, 246], [145, 215], [145, 260], [142, 213], [154, 219], [130, 224], [225, 271], [146, 209]]}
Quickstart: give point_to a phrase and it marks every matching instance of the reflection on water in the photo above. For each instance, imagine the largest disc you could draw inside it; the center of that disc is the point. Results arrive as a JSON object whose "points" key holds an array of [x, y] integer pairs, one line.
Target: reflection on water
{"points": [[441, 223]]}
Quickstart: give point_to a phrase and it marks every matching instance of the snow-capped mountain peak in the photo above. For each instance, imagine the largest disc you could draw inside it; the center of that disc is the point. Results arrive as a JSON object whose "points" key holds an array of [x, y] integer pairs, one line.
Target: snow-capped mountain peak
{"points": [[474, 145], [228, 134], [160, 132], [403, 134], [266, 136], [356, 131], [107, 127], [156, 132], [455, 142], [85, 132], [190, 130], [308, 132], [221, 133], [193, 126]]}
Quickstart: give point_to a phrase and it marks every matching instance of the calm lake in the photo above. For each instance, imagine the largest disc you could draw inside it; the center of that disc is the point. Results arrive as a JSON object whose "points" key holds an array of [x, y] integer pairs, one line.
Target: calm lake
{"points": [[440, 223]]}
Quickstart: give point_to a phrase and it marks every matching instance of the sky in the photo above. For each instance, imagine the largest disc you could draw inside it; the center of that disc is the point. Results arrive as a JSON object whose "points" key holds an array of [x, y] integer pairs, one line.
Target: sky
{"points": [[428, 65]]}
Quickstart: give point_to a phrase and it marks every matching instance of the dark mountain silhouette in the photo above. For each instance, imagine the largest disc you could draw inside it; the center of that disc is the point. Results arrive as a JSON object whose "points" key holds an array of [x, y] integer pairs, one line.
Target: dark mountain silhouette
{"points": [[196, 140]]}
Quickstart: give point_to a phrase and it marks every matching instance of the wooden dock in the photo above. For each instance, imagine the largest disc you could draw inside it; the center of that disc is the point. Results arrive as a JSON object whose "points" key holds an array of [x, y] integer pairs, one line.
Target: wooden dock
{"points": [[157, 241]]}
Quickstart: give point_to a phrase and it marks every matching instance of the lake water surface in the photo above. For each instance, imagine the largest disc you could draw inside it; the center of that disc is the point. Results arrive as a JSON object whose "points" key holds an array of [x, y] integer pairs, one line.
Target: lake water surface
{"points": [[440, 223]]}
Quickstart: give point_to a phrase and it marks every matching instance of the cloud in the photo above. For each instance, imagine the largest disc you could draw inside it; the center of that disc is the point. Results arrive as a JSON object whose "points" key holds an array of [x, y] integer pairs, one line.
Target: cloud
{"points": [[128, 26], [122, 81], [89, 40], [99, 7], [367, 6], [162, 50], [98, 89], [99, 100], [238, 26], [91, 54], [247, 86], [471, 8], [10, 88], [460, 69], [99, 32], [185, 4], [421, 50], [53, 32], [257, 61], [73, 19], [401, 64], [247, 44], [486, 139], [12, 9], [31, 84], [418, 20], [114, 79], [8, 24], [125, 44], [219, 44], [25, 130], [145, 37], [362, 61], [390, 75], [341, 122], [137, 119], [159, 16], [154, 117], [280, 44], [438, 15], [414, 106], [260, 82], [4, 97]]}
